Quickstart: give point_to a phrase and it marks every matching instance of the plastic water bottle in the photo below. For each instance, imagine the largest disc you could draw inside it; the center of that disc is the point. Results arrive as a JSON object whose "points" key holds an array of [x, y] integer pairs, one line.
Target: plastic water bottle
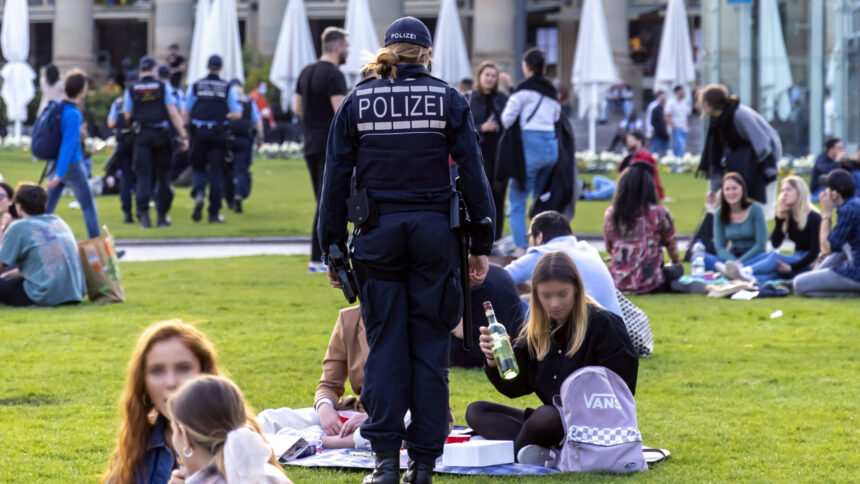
{"points": [[698, 266]]}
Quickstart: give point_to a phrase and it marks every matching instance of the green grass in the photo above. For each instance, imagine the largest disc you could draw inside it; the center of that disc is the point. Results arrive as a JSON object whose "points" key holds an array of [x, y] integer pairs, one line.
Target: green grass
{"points": [[282, 204], [736, 396]]}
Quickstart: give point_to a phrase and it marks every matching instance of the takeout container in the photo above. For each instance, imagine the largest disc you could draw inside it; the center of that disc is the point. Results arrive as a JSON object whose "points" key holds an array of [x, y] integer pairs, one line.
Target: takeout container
{"points": [[478, 453]]}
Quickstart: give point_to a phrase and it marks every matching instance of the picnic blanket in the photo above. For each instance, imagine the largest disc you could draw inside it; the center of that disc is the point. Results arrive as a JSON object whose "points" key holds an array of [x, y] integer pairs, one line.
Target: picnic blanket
{"points": [[361, 459]]}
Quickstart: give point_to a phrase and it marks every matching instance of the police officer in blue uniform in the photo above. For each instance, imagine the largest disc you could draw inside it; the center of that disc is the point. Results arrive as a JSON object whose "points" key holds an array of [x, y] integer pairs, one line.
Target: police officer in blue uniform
{"points": [[210, 103], [396, 130], [237, 175], [124, 153], [150, 106]]}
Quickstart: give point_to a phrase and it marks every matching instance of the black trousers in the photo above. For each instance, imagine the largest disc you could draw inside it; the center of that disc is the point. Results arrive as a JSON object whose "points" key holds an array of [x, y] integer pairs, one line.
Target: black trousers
{"points": [[316, 167], [12, 292], [152, 167], [125, 160], [207, 163], [494, 421], [237, 175], [410, 301]]}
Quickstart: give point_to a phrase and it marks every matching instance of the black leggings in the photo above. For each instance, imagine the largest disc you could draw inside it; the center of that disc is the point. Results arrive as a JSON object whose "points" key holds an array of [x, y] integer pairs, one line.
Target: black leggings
{"points": [[12, 292], [494, 421]]}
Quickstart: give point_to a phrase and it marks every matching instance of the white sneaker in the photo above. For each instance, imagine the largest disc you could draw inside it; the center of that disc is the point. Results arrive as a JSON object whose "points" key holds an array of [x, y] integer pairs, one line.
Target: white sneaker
{"points": [[534, 455], [317, 268]]}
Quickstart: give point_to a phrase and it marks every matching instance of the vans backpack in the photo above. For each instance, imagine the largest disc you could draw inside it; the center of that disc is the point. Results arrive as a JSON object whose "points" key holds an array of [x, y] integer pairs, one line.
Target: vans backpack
{"points": [[599, 417], [47, 132]]}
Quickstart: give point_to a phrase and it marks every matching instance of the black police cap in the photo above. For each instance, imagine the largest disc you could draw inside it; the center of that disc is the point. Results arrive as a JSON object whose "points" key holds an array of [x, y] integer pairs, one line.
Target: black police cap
{"points": [[146, 63], [409, 30], [215, 62]]}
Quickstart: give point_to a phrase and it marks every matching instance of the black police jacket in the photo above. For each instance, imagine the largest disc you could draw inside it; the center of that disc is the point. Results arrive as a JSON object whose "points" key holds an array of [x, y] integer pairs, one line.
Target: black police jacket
{"points": [[397, 134], [211, 99], [243, 127], [147, 96]]}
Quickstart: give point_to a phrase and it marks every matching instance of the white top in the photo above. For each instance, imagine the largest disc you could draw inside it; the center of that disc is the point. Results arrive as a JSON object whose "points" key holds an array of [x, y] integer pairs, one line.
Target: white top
{"points": [[678, 111], [522, 103], [595, 275]]}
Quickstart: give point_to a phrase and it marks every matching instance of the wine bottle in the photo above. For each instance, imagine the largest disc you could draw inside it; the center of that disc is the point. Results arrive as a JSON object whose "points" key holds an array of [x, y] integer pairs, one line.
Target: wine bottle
{"points": [[502, 351]]}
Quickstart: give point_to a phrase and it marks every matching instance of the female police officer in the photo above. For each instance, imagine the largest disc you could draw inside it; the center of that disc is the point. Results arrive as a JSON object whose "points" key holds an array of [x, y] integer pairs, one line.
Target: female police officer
{"points": [[396, 130]]}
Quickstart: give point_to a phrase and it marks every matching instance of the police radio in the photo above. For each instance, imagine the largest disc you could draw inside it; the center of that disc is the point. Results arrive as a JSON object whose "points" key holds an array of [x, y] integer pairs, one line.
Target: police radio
{"points": [[339, 262]]}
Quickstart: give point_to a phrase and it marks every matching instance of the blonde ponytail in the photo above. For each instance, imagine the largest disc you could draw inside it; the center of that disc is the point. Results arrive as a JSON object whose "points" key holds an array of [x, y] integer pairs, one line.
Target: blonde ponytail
{"points": [[385, 64]]}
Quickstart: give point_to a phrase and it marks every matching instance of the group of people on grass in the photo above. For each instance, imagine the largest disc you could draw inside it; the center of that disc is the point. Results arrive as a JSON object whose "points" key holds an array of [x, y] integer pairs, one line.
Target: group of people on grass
{"points": [[176, 407]]}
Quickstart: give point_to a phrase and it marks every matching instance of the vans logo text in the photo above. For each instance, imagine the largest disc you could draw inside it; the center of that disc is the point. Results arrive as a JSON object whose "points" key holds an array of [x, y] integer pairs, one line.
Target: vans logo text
{"points": [[602, 400]]}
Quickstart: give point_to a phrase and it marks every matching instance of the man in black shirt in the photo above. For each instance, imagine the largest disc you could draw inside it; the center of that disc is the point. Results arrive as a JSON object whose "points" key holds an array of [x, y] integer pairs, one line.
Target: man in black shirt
{"points": [[319, 91], [660, 136], [177, 65]]}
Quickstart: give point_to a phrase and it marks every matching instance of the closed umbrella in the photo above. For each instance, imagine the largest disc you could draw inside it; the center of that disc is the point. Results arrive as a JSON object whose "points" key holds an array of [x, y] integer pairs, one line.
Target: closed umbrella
{"points": [[675, 60], [196, 62], [295, 50], [220, 36], [363, 42], [774, 71], [593, 65], [17, 75], [451, 59]]}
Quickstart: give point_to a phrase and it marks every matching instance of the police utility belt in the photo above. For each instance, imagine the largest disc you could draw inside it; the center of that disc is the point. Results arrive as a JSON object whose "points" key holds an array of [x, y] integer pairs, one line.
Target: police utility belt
{"points": [[364, 212]]}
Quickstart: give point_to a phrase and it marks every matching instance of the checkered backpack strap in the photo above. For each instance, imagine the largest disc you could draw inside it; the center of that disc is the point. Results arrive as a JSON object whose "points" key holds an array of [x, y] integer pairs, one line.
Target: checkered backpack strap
{"points": [[599, 416], [638, 325]]}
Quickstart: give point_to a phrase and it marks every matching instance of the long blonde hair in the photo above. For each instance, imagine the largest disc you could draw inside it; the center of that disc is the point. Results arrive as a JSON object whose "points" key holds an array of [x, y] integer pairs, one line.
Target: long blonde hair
{"points": [[135, 403], [538, 333], [208, 408], [389, 56], [801, 208]]}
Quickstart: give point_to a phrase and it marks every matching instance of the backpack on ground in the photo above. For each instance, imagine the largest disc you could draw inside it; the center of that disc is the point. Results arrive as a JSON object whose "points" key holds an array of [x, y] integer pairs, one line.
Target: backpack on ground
{"points": [[599, 417], [47, 132]]}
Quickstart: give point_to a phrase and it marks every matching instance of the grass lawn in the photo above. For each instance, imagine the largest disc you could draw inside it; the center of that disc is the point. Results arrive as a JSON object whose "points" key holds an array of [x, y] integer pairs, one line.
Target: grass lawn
{"points": [[735, 395], [281, 203]]}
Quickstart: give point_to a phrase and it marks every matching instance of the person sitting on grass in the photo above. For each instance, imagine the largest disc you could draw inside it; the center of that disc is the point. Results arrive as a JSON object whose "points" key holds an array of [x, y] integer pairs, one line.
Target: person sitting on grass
{"points": [[167, 354], [636, 153], [636, 228], [214, 430], [798, 218], [838, 275], [740, 229], [566, 331], [44, 250], [826, 161], [550, 232], [8, 214], [344, 361]]}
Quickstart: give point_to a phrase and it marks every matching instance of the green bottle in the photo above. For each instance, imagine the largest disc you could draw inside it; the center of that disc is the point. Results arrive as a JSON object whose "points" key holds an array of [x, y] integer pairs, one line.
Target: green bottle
{"points": [[502, 351]]}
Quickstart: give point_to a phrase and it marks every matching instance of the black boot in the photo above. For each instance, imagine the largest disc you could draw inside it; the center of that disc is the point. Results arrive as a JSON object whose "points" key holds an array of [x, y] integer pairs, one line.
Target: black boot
{"points": [[163, 221], [197, 214], [145, 222], [128, 218], [387, 469], [237, 205], [418, 473]]}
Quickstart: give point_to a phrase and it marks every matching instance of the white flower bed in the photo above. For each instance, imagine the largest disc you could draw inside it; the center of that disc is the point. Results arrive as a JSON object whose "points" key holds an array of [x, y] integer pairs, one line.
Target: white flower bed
{"points": [[590, 161]]}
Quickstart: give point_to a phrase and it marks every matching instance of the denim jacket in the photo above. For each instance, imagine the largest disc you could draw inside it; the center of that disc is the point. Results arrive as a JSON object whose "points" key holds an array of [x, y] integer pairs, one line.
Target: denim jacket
{"points": [[158, 460]]}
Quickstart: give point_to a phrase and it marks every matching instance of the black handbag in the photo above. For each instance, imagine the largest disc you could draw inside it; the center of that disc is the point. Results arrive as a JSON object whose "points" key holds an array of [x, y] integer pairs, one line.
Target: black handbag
{"points": [[559, 193]]}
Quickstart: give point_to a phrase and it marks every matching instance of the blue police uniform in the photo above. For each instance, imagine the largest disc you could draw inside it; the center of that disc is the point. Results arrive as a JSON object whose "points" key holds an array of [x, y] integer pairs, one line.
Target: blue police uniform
{"points": [[209, 100], [237, 175], [123, 155], [397, 135], [147, 101]]}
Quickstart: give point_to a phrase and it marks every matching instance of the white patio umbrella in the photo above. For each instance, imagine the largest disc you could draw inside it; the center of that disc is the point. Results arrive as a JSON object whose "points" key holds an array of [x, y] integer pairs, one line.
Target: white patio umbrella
{"points": [[675, 65], [17, 75], [363, 42], [295, 50], [196, 63], [451, 59], [593, 65], [774, 72], [220, 36]]}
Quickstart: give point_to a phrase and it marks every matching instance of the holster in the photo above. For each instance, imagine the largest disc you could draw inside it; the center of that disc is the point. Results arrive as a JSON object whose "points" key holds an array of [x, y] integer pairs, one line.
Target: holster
{"points": [[361, 210]]}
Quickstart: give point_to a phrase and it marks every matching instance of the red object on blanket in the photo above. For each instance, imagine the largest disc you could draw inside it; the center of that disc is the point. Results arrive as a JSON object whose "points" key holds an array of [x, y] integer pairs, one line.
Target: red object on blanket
{"points": [[456, 439]]}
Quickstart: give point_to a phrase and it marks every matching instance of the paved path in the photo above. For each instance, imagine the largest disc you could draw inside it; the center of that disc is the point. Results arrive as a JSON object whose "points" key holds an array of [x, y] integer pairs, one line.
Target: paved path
{"points": [[216, 248]]}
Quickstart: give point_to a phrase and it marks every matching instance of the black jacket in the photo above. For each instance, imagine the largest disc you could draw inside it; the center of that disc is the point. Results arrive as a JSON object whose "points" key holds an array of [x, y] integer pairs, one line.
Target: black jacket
{"points": [[658, 122], [606, 344]]}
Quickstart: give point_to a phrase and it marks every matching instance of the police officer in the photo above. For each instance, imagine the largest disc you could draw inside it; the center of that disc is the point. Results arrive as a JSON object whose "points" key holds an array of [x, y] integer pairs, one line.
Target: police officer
{"points": [[209, 103], [237, 175], [396, 131], [151, 107], [124, 153]]}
